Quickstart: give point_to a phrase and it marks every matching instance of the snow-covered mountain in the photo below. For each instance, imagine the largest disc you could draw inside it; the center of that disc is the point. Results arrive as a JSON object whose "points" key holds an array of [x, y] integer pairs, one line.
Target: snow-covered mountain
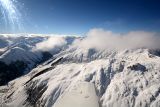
{"points": [[21, 53], [81, 75], [128, 78]]}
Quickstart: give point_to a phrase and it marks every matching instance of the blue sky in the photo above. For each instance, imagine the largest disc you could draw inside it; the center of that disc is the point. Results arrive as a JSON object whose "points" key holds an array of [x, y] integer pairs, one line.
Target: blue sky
{"points": [[78, 16]]}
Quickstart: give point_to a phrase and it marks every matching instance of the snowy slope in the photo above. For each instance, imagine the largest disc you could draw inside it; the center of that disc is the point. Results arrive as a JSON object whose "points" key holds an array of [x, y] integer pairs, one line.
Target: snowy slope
{"points": [[21, 53], [27, 45], [124, 78], [91, 71], [82, 95]]}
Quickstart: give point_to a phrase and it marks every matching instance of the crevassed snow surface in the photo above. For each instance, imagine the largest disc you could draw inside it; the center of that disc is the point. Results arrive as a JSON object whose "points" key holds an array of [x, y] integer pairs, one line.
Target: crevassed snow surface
{"points": [[127, 78]]}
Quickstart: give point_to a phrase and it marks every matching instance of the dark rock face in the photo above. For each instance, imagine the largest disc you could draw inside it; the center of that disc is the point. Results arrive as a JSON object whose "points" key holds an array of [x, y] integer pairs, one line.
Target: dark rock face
{"points": [[34, 94], [154, 53], [138, 67], [11, 71]]}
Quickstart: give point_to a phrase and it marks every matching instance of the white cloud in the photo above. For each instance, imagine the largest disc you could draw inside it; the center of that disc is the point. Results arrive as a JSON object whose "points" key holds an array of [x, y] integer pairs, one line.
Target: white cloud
{"points": [[51, 44], [103, 39]]}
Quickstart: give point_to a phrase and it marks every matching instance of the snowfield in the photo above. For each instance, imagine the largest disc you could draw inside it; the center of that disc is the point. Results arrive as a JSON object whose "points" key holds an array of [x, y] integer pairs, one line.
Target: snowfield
{"points": [[79, 76], [128, 78], [82, 95]]}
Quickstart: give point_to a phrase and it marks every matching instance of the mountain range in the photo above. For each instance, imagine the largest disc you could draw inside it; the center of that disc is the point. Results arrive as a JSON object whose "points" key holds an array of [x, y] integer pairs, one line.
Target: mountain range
{"points": [[62, 71]]}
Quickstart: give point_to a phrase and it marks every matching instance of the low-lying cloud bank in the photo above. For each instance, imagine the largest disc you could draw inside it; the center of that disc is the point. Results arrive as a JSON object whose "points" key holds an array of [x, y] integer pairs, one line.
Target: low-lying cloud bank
{"points": [[52, 44], [103, 39]]}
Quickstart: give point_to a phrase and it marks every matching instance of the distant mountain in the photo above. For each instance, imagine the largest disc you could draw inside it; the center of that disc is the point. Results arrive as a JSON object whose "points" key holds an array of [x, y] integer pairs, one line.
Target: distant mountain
{"points": [[21, 53], [81, 76]]}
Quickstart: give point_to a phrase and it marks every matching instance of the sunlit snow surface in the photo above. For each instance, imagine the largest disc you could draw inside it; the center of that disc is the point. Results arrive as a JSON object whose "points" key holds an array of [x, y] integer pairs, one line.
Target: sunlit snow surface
{"points": [[78, 75], [126, 79], [82, 95]]}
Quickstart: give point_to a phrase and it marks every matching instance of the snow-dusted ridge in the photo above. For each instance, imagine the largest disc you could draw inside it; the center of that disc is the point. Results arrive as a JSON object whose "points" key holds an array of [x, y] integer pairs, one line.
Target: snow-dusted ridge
{"points": [[89, 74], [130, 78], [19, 53]]}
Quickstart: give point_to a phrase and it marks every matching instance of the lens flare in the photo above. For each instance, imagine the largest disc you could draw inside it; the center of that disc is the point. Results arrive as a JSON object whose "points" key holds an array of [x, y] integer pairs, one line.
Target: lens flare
{"points": [[11, 15]]}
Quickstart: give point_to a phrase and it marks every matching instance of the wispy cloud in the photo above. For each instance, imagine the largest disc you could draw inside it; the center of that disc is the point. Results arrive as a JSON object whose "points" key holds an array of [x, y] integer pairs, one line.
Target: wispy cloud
{"points": [[52, 44], [103, 39]]}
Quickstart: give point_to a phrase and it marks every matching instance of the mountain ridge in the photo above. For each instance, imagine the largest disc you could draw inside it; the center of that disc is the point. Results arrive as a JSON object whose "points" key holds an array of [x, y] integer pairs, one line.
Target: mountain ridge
{"points": [[117, 77], [89, 76]]}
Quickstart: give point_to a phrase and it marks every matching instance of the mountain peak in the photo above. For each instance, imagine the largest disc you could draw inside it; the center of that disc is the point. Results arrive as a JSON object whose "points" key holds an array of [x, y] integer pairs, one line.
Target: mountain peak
{"points": [[89, 76]]}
